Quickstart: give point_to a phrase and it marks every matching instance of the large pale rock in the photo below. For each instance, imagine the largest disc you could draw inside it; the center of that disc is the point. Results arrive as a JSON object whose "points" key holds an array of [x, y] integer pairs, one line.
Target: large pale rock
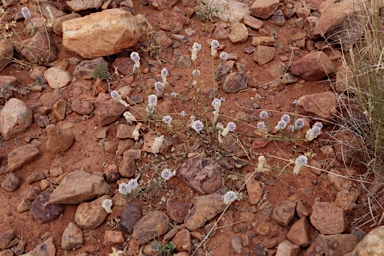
{"points": [[151, 226], [204, 209], [264, 8], [313, 67], [72, 237], [77, 187], [101, 34], [91, 214], [162, 5], [228, 10], [341, 21], [43, 211], [57, 25], [320, 104], [372, 244], [40, 49], [57, 77], [15, 118], [200, 174], [80, 5], [20, 156], [59, 139], [328, 218], [6, 53], [46, 248]]}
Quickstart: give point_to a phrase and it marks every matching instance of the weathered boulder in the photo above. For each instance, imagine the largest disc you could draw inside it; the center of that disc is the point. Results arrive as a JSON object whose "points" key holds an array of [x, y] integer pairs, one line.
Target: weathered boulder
{"points": [[101, 34], [372, 243]]}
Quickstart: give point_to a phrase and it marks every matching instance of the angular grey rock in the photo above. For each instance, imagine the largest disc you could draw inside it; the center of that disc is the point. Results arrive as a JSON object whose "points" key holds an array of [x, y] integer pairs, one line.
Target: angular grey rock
{"points": [[204, 209], [151, 226], [284, 212], [59, 139], [6, 53], [235, 82], [372, 243], [47, 248], [43, 211], [91, 214], [200, 174], [77, 187], [313, 67], [40, 49], [72, 237], [20, 156], [57, 77], [6, 237], [129, 217], [277, 18], [264, 8], [321, 104], [328, 218], [11, 183], [15, 118], [80, 5], [110, 31]]}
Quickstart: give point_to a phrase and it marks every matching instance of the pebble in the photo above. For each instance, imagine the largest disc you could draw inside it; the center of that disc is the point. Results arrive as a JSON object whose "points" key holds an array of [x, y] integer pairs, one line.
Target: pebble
{"points": [[11, 183], [72, 237], [130, 215], [21, 156], [91, 214], [151, 226], [57, 78], [43, 211], [284, 212], [236, 244]]}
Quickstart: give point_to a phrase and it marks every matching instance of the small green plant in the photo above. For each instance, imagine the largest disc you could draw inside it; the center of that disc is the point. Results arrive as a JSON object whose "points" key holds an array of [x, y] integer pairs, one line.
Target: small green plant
{"points": [[205, 12], [165, 250], [101, 71]]}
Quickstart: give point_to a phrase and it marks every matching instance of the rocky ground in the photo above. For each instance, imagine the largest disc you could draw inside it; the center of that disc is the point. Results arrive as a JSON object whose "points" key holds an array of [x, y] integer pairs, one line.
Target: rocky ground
{"points": [[68, 149]]}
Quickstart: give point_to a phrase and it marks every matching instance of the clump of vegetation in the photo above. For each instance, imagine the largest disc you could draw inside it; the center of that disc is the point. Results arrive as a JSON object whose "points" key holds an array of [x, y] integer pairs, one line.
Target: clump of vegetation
{"points": [[101, 72]]}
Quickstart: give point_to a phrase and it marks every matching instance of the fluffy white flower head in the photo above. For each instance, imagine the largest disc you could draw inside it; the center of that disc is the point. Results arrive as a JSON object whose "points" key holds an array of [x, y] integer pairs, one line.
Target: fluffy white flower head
{"points": [[300, 162], [158, 86], [167, 119], [230, 197], [166, 174], [261, 125], [263, 114], [26, 13], [223, 56], [164, 72], [299, 124], [152, 100], [281, 125], [107, 205], [129, 117], [286, 118], [197, 125], [156, 146]]}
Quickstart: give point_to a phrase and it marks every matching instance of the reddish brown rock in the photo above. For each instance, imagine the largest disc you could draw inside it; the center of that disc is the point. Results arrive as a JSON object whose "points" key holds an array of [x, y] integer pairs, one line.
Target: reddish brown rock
{"points": [[177, 211], [59, 139], [129, 217], [284, 212], [299, 233], [182, 241], [320, 104], [82, 107], [162, 4], [11, 183], [151, 226], [40, 49], [255, 192], [313, 67], [264, 8], [43, 211], [328, 218], [107, 109], [59, 109]]}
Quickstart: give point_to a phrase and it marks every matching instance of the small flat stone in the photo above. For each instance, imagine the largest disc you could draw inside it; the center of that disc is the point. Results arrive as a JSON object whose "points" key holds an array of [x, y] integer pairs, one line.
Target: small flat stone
{"points": [[182, 241], [299, 233], [6, 237], [11, 183], [284, 212], [322, 104], [86, 69], [43, 211], [6, 52], [235, 82], [236, 244], [60, 138], [204, 209], [57, 78], [286, 248], [328, 218], [107, 109], [46, 248], [82, 107], [151, 226], [21, 156], [253, 22], [239, 33], [113, 237], [129, 217], [254, 190], [15, 118], [263, 54], [72, 237], [59, 109], [178, 210], [127, 167]]}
